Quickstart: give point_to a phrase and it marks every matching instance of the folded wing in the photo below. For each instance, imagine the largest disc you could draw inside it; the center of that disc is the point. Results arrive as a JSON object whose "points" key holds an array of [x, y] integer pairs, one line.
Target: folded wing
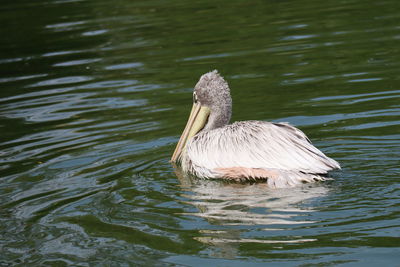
{"points": [[257, 144]]}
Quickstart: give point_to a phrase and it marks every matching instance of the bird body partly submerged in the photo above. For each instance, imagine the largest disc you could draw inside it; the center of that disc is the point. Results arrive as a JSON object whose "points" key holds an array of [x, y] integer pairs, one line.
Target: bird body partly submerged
{"points": [[247, 150], [250, 150]]}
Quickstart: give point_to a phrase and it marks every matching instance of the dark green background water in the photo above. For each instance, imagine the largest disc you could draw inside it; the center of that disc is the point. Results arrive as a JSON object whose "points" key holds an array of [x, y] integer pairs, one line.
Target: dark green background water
{"points": [[94, 95]]}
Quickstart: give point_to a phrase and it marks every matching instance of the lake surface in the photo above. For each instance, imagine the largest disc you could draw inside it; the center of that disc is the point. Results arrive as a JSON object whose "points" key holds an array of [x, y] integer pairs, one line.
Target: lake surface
{"points": [[94, 96]]}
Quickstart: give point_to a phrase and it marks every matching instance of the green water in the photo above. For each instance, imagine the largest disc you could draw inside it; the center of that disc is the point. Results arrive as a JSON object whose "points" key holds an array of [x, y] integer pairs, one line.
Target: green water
{"points": [[94, 95]]}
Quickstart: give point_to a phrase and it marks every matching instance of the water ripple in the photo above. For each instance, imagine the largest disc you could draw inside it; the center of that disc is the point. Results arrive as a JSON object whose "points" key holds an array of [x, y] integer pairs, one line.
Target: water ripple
{"points": [[76, 62], [62, 80]]}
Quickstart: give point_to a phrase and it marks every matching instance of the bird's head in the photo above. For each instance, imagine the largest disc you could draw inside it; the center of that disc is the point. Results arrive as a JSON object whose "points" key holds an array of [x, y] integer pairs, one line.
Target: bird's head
{"points": [[212, 108]]}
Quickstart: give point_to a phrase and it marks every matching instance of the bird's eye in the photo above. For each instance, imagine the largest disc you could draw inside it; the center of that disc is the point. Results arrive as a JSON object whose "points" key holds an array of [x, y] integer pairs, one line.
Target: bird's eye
{"points": [[194, 97]]}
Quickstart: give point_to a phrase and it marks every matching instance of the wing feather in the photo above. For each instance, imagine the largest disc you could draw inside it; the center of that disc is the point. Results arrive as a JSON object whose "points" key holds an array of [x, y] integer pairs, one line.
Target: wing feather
{"points": [[257, 144]]}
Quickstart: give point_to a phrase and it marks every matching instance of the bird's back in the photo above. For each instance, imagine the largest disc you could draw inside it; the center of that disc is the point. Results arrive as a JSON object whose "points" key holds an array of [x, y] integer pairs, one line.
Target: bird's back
{"points": [[258, 144]]}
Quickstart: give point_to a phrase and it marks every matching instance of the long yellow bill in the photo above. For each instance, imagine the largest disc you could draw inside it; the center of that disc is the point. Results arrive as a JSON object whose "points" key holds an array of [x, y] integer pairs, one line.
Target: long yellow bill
{"points": [[197, 119]]}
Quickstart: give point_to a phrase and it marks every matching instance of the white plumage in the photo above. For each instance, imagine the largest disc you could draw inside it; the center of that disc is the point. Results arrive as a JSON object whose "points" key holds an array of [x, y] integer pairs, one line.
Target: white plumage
{"points": [[277, 147]]}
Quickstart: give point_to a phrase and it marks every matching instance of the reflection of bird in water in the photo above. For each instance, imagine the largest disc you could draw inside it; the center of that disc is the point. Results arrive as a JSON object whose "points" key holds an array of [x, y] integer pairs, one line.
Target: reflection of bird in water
{"points": [[251, 213], [247, 150], [232, 203]]}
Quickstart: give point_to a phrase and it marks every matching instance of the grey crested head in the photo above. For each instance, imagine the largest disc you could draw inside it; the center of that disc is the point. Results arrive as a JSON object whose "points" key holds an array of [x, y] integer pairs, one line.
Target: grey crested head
{"points": [[213, 91]]}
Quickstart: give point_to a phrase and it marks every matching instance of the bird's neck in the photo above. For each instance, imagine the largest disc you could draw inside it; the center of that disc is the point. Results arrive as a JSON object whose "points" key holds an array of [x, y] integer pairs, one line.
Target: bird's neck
{"points": [[219, 117]]}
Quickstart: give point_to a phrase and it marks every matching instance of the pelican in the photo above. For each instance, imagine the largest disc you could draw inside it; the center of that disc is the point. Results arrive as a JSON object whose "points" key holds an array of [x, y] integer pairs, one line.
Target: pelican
{"points": [[210, 147]]}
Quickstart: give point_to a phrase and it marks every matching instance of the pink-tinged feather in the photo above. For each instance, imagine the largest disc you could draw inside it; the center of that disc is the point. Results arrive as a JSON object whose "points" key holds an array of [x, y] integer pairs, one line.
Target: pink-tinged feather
{"points": [[274, 177], [240, 173]]}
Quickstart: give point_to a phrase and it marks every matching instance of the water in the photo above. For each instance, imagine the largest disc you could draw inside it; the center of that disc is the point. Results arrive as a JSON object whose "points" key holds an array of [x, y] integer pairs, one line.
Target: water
{"points": [[94, 95]]}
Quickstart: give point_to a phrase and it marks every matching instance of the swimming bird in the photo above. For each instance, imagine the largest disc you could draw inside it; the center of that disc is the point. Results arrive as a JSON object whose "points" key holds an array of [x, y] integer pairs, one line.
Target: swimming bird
{"points": [[209, 147]]}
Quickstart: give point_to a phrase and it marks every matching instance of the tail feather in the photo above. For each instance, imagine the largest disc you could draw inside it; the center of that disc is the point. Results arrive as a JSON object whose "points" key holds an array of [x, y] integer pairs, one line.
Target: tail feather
{"points": [[289, 179]]}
